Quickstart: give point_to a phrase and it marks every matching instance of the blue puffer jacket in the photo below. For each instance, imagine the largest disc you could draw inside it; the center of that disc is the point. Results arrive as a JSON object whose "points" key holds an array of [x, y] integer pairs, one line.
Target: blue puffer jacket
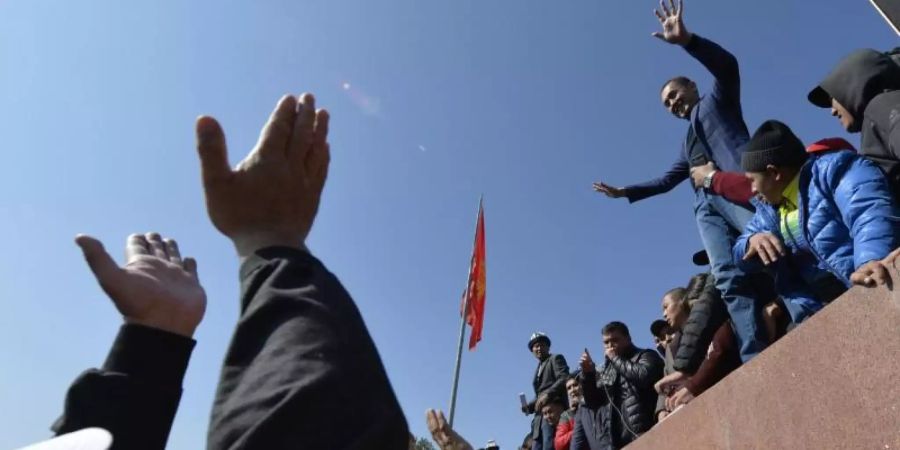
{"points": [[847, 215], [717, 119]]}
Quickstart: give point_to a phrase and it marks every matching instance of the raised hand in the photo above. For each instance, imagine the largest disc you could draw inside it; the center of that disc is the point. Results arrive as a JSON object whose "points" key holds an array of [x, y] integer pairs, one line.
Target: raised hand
{"points": [[156, 288], [587, 364], [272, 196], [446, 437], [611, 192], [671, 19]]}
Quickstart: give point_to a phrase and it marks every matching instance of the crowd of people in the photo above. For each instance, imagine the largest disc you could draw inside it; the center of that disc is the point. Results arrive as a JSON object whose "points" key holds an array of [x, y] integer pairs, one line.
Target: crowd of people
{"points": [[786, 229]]}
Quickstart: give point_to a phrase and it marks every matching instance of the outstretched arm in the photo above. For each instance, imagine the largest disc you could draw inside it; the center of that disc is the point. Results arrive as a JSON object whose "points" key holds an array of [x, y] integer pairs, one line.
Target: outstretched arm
{"points": [[136, 392], [301, 370]]}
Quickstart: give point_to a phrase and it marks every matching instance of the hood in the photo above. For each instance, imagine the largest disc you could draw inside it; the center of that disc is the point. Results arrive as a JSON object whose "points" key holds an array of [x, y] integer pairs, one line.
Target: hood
{"points": [[856, 80], [829, 144]]}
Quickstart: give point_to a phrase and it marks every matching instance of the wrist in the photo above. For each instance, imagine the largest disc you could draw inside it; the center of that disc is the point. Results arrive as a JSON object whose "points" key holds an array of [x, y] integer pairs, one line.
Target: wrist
{"points": [[169, 324], [708, 180], [684, 41], [247, 244]]}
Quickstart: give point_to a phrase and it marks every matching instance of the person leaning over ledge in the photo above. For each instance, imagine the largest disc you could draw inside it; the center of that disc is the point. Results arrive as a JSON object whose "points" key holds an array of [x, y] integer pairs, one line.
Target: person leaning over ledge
{"points": [[822, 216]]}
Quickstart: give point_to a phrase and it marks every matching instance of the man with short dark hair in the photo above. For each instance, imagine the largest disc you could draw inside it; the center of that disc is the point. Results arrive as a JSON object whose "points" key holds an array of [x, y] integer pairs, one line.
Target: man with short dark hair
{"points": [[625, 383], [823, 215], [716, 133], [549, 379]]}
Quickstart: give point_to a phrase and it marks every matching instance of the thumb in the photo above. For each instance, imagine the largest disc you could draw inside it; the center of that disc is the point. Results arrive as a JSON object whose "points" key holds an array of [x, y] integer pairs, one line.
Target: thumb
{"points": [[658, 35], [101, 264], [750, 253], [212, 150]]}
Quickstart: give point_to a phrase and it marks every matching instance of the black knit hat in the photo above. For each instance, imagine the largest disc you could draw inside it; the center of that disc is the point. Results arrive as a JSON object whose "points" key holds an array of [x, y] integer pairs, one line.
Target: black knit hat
{"points": [[773, 143]]}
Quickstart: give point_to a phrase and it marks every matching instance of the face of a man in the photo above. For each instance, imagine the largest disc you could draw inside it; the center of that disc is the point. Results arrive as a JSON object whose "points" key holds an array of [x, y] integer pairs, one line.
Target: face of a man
{"points": [[679, 99], [673, 312], [551, 413], [617, 342], [847, 120], [541, 350], [769, 185], [573, 389]]}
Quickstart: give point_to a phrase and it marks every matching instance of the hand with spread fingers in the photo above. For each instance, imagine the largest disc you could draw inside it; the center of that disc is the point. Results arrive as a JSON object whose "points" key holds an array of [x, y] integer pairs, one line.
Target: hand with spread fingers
{"points": [[156, 288], [671, 18], [765, 245], [272, 196], [442, 434], [609, 191]]}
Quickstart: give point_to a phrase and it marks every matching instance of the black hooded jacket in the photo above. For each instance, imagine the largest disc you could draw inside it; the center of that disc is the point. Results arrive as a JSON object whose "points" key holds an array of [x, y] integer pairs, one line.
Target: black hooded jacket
{"points": [[867, 84]]}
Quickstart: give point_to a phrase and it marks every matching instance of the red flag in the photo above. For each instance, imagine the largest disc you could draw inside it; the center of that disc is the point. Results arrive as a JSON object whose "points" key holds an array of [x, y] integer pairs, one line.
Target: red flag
{"points": [[476, 286]]}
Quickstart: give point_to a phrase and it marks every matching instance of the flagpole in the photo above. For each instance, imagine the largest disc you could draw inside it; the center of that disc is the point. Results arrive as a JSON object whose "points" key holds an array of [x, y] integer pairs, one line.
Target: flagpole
{"points": [[462, 329]]}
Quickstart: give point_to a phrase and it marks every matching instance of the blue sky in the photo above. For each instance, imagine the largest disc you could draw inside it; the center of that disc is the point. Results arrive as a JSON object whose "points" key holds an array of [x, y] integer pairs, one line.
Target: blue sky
{"points": [[432, 104]]}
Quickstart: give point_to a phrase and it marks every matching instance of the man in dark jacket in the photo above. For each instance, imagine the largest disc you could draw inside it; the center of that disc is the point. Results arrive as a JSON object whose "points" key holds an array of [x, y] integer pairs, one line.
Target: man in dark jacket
{"points": [[549, 379], [625, 383], [863, 92], [822, 216], [716, 133]]}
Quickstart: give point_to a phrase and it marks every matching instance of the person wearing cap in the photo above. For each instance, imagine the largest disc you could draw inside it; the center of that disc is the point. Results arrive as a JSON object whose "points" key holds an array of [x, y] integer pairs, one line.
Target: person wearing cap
{"points": [[863, 93], [549, 379], [662, 335], [716, 133], [820, 216]]}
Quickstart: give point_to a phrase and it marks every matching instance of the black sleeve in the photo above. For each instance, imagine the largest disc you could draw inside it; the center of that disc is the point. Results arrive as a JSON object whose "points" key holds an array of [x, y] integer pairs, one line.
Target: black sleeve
{"points": [[706, 316], [135, 394], [561, 372], [721, 64], [301, 370], [644, 372], [594, 396]]}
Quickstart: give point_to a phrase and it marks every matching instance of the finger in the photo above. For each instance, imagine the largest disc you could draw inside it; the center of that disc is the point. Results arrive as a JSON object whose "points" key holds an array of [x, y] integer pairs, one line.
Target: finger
{"points": [[212, 150], [157, 246], [319, 157], [776, 245], [750, 253], [658, 35], [98, 260], [672, 6], [769, 250], [136, 245], [879, 275], [301, 140], [763, 255], [662, 5], [276, 133], [173, 252], [659, 16], [680, 8], [190, 265], [858, 278]]}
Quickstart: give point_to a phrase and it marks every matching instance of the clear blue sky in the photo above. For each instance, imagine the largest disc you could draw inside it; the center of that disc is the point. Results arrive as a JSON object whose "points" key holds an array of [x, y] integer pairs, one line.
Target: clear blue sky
{"points": [[525, 101]]}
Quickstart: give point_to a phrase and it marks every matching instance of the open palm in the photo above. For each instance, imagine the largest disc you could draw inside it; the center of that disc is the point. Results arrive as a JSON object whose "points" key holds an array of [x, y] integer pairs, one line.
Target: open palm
{"points": [[155, 288], [671, 19]]}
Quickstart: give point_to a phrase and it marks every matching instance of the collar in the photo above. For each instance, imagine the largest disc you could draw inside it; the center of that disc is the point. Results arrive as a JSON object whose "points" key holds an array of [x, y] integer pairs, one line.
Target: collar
{"points": [[791, 193]]}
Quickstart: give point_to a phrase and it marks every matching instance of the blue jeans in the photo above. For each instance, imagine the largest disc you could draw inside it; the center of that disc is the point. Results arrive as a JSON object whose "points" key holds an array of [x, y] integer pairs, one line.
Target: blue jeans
{"points": [[720, 222], [545, 441]]}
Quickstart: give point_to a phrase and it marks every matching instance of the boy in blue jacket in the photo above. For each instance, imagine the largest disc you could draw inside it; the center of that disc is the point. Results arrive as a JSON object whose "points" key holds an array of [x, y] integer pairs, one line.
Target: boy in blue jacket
{"points": [[819, 217]]}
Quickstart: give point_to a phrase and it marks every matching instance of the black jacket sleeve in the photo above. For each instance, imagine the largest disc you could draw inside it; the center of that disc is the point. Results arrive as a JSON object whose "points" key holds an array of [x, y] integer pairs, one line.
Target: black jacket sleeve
{"points": [[136, 392], [644, 372], [301, 370], [594, 396], [707, 314]]}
